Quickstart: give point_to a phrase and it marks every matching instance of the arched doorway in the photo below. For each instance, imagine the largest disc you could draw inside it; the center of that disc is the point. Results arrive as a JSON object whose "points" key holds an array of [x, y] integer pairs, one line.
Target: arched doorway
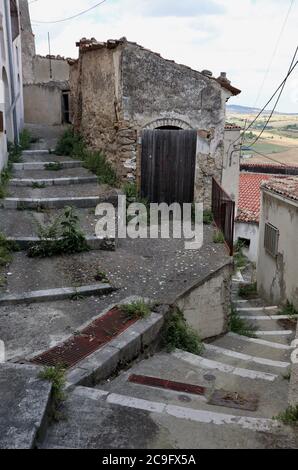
{"points": [[168, 162]]}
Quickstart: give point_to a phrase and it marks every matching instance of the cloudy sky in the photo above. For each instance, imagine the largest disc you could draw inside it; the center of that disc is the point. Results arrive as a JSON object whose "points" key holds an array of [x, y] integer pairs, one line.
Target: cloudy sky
{"points": [[235, 36]]}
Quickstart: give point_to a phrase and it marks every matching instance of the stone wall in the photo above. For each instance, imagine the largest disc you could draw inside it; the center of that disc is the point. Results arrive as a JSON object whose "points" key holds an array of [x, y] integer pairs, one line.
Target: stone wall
{"points": [[43, 104], [120, 88], [207, 304]]}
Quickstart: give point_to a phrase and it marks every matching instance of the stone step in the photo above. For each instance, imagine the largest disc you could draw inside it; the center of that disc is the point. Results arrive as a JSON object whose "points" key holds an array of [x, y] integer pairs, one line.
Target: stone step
{"points": [[23, 177], [167, 367], [63, 181], [130, 422], [79, 196], [237, 359], [24, 404], [55, 294], [222, 366], [23, 225], [43, 165]]}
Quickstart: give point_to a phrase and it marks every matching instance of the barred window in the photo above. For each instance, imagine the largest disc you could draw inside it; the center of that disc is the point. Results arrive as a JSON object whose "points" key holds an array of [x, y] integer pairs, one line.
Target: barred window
{"points": [[271, 239]]}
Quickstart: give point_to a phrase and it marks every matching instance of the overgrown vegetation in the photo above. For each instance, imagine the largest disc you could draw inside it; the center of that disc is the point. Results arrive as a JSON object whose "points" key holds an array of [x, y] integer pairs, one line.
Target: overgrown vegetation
{"points": [[53, 166], [6, 249], [289, 310], [73, 145], [240, 325], [25, 139], [207, 217], [218, 237], [55, 375], [63, 236], [36, 185], [14, 156], [177, 334], [248, 290], [100, 276], [289, 416], [97, 163], [240, 259], [137, 309]]}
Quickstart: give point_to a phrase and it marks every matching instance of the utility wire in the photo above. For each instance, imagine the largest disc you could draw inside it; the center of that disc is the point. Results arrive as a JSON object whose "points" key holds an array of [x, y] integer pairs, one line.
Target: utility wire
{"points": [[277, 101], [275, 51], [269, 158], [71, 17], [268, 102]]}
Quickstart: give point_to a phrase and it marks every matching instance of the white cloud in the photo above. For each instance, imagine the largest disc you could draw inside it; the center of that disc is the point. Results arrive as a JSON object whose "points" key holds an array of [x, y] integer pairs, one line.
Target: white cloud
{"points": [[238, 38]]}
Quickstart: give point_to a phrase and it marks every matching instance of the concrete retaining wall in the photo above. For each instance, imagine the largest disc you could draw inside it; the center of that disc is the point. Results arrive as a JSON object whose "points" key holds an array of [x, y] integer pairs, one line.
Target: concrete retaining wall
{"points": [[206, 305]]}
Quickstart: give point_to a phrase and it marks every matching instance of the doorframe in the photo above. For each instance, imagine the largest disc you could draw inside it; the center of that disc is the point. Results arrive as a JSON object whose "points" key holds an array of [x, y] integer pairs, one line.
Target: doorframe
{"points": [[154, 125]]}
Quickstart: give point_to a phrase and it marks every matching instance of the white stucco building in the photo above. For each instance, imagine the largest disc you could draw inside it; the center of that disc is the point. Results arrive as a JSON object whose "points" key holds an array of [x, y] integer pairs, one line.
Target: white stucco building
{"points": [[278, 241], [11, 84]]}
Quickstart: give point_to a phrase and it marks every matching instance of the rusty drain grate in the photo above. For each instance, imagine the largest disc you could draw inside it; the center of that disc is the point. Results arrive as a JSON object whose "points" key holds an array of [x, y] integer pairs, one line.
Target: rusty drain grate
{"points": [[167, 384], [89, 340]]}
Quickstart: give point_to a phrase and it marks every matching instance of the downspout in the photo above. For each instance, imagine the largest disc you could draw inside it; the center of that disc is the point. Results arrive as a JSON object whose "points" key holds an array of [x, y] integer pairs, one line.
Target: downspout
{"points": [[11, 69]]}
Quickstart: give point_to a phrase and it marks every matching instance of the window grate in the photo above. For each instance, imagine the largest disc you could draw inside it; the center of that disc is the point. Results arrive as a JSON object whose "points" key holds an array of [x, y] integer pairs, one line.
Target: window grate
{"points": [[271, 239]]}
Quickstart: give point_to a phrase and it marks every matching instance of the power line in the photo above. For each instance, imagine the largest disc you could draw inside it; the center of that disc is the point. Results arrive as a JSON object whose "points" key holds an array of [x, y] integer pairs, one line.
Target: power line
{"points": [[264, 107], [277, 101], [71, 17], [275, 51], [268, 158]]}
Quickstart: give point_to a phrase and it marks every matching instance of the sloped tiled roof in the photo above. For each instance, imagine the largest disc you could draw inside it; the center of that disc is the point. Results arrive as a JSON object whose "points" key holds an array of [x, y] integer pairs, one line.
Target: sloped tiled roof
{"points": [[287, 187], [250, 197]]}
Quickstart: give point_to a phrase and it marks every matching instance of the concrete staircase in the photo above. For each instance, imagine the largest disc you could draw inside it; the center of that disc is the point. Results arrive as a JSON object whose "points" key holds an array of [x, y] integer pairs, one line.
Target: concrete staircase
{"points": [[245, 384], [40, 190]]}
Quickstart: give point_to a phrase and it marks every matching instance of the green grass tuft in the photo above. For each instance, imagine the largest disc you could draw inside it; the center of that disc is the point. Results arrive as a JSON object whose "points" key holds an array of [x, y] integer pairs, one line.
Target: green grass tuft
{"points": [[218, 237], [289, 416], [289, 310], [55, 375], [248, 290], [240, 325], [137, 309], [63, 236], [177, 334]]}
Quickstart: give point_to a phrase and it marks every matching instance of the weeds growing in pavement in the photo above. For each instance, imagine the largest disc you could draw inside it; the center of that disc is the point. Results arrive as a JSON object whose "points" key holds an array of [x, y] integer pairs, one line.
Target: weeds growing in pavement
{"points": [[63, 236], [137, 309], [289, 310], [289, 416], [53, 166], [177, 334], [73, 145], [248, 290], [7, 247], [55, 375], [218, 237], [240, 325]]}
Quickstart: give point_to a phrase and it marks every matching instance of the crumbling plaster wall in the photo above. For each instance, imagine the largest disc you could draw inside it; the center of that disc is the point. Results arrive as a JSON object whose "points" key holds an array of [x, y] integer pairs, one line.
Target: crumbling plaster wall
{"points": [[277, 277], [206, 305], [120, 91]]}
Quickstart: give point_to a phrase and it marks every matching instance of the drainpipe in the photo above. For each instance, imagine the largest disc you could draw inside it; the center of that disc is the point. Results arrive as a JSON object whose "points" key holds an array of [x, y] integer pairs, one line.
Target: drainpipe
{"points": [[11, 69]]}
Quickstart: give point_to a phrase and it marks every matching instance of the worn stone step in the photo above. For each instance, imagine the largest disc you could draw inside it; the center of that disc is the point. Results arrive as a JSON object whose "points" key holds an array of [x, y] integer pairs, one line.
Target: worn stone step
{"points": [[236, 359], [130, 422], [62, 181], [167, 367], [23, 406], [37, 175], [25, 224], [43, 165], [79, 195]]}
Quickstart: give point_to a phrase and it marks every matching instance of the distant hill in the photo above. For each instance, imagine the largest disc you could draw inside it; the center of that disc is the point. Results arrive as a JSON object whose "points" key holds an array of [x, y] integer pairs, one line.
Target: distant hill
{"points": [[237, 109]]}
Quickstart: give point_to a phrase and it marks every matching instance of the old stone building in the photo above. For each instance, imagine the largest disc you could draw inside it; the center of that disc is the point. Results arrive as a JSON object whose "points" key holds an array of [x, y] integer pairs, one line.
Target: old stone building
{"points": [[45, 79], [120, 91]]}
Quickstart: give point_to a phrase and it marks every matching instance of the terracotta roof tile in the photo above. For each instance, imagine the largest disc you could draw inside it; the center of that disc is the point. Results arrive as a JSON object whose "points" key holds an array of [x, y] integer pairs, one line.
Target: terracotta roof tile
{"points": [[250, 197], [287, 187]]}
